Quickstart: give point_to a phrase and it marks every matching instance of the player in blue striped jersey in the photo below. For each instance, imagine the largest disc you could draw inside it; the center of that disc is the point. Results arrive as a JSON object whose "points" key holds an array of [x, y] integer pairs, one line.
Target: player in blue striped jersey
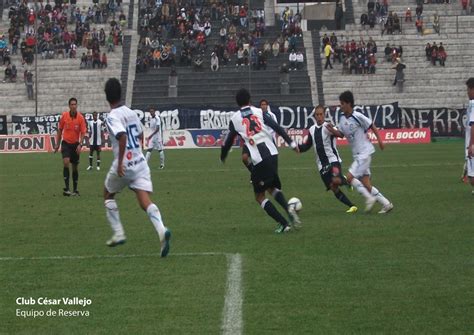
{"points": [[129, 168], [354, 126], [469, 128]]}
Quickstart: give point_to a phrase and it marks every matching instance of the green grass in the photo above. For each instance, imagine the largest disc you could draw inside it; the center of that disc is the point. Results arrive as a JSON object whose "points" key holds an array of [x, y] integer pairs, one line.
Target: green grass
{"points": [[410, 271]]}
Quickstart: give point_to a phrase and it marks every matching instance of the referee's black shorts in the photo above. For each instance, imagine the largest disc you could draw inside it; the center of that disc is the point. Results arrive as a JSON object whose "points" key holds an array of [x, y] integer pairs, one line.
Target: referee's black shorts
{"points": [[69, 150], [265, 175]]}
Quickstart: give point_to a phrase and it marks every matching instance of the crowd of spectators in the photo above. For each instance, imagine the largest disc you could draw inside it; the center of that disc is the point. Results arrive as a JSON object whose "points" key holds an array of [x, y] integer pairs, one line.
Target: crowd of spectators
{"points": [[53, 29], [47, 27], [436, 53], [355, 57], [392, 52], [378, 13], [218, 33]]}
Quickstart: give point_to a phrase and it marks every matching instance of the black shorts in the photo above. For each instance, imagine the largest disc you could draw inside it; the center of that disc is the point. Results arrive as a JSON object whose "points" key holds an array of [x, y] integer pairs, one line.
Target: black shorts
{"points": [[95, 148], [245, 150], [69, 151], [265, 175], [330, 171]]}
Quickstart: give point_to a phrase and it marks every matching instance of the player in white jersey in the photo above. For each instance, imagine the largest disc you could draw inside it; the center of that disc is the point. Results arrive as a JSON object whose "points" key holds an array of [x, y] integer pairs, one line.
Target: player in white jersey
{"points": [[252, 125], [95, 139], [354, 126], [245, 151], [469, 128], [129, 168], [155, 140], [328, 159]]}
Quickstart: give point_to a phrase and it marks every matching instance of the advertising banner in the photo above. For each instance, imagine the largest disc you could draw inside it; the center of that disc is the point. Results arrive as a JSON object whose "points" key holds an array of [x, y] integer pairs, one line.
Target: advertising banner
{"points": [[201, 138], [398, 136], [384, 116], [25, 143], [195, 138], [3, 125]]}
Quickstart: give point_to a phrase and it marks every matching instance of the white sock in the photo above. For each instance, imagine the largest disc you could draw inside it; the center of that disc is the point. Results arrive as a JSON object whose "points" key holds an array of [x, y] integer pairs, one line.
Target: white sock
{"points": [[148, 155], [162, 157], [380, 198], [155, 217], [113, 216], [360, 188]]}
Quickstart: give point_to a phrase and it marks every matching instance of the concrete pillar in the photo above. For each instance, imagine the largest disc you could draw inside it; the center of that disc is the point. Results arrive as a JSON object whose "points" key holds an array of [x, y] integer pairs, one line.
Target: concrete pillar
{"points": [[269, 8], [284, 83], [173, 85]]}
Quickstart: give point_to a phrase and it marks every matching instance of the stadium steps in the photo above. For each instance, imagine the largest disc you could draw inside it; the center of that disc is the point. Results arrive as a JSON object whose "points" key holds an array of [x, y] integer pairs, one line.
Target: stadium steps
{"points": [[125, 62], [318, 68], [310, 65], [426, 85], [60, 79], [198, 88], [349, 12]]}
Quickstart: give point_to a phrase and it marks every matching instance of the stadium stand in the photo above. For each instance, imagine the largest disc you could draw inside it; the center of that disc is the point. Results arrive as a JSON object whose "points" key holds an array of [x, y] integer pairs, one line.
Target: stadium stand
{"points": [[60, 78], [425, 85], [208, 88]]}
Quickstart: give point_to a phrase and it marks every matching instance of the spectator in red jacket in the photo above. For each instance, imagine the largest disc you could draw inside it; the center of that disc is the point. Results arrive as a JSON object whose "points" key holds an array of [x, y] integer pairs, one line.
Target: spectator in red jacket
{"points": [[103, 61], [442, 55]]}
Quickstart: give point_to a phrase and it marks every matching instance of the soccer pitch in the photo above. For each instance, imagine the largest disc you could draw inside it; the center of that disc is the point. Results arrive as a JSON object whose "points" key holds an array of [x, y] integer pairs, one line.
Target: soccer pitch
{"points": [[410, 271]]}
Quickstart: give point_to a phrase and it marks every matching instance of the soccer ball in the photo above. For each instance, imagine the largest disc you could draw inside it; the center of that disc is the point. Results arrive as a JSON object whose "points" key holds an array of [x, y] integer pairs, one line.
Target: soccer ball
{"points": [[295, 204]]}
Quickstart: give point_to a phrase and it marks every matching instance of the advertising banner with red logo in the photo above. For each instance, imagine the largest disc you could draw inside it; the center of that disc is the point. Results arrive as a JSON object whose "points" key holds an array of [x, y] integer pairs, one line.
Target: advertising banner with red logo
{"points": [[203, 138], [38, 143], [398, 136]]}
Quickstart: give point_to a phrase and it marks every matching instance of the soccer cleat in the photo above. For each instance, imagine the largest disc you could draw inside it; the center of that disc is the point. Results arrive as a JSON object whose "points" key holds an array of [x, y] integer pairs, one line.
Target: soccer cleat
{"points": [[98, 168], [75, 193], [162, 166], [369, 203], [353, 209], [282, 229], [386, 208], [89, 168], [116, 240], [295, 221], [66, 192], [165, 244]]}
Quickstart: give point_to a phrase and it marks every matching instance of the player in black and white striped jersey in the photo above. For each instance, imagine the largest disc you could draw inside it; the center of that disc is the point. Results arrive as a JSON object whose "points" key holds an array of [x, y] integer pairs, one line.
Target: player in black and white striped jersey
{"points": [[253, 126], [95, 139], [245, 151], [155, 140], [328, 159]]}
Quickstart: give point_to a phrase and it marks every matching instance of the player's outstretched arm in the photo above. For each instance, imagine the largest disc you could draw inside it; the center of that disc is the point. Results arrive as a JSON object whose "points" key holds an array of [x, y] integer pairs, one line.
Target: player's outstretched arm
{"points": [[306, 145], [334, 131], [229, 139], [268, 120], [376, 133]]}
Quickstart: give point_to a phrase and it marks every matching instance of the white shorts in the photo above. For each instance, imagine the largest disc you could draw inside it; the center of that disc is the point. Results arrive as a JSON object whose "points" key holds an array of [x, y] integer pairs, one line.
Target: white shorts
{"points": [[139, 179], [470, 166], [156, 143], [360, 167]]}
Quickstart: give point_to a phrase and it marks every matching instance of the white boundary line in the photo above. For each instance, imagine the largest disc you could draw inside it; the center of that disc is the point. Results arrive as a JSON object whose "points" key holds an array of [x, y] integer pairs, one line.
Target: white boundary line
{"points": [[232, 314], [45, 258], [232, 322], [376, 166]]}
